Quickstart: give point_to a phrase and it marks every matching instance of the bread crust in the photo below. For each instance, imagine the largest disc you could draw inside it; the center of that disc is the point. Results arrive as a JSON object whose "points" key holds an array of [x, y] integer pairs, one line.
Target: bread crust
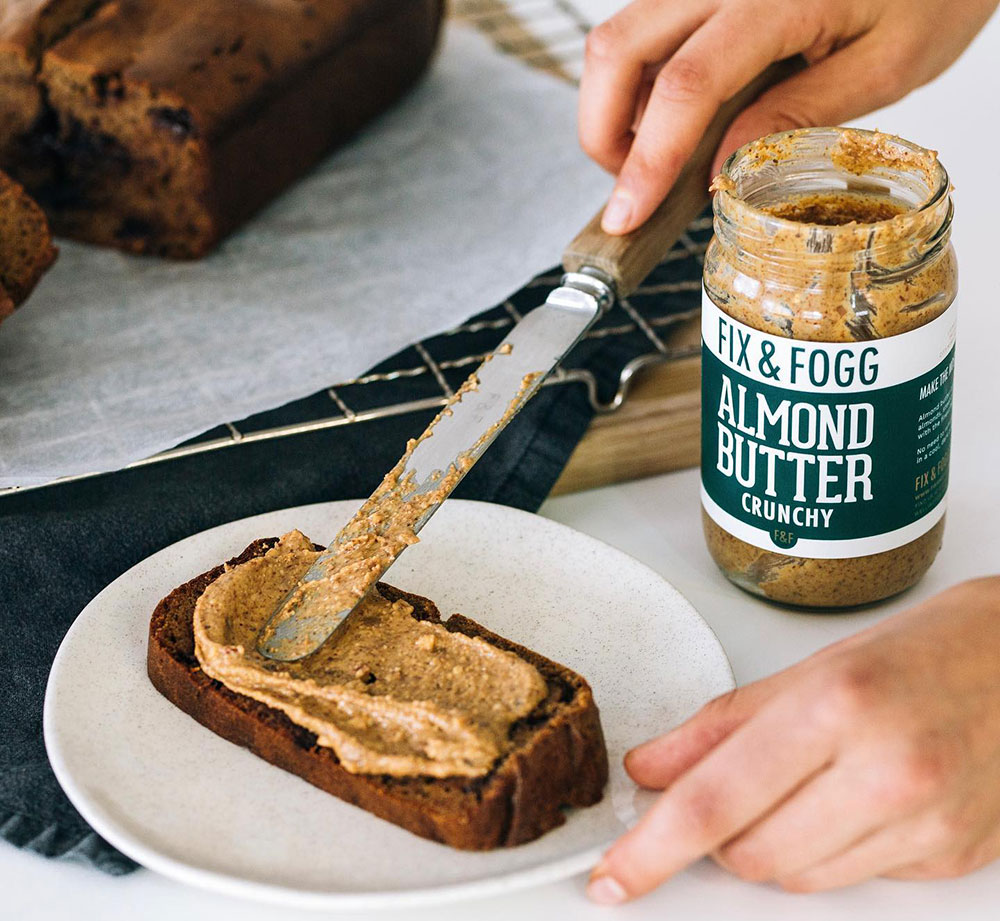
{"points": [[559, 758]]}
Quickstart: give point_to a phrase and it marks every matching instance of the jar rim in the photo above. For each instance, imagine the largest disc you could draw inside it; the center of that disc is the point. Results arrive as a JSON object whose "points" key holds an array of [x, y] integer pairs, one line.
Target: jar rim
{"points": [[927, 220], [939, 189]]}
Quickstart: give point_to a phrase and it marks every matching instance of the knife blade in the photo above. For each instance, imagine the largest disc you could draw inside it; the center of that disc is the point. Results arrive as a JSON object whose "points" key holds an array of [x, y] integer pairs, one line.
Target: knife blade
{"points": [[599, 268], [432, 467]]}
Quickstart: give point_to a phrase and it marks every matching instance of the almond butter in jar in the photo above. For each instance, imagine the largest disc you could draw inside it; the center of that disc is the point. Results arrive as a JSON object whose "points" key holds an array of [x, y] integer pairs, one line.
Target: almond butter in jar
{"points": [[828, 337]]}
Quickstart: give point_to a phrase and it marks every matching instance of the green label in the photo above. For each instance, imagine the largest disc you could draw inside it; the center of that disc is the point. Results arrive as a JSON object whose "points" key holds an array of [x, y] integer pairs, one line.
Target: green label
{"points": [[831, 450]]}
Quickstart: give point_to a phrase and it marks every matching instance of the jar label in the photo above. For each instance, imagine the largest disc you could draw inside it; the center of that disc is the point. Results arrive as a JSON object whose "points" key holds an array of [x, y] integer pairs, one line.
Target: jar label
{"points": [[826, 450]]}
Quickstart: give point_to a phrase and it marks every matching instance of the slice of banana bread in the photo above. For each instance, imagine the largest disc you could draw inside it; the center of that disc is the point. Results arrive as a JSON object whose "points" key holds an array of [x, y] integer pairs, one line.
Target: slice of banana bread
{"points": [[26, 249], [558, 759], [166, 123]]}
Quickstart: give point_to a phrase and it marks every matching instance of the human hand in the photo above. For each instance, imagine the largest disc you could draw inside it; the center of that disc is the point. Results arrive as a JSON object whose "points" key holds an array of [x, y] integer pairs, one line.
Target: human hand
{"points": [[878, 756], [656, 72]]}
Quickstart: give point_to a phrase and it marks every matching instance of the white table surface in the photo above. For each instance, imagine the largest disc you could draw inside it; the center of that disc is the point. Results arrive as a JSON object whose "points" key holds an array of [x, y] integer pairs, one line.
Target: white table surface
{"points": [[656, 520]]}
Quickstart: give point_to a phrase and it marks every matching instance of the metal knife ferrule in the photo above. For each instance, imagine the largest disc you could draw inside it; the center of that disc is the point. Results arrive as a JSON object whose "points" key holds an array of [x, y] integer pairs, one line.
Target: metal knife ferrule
{"points": [[589, 281]]}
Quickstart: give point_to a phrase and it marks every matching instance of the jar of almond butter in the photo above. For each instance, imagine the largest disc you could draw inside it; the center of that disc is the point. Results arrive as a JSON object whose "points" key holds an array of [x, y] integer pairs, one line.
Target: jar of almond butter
{"points": [[828, 335]]}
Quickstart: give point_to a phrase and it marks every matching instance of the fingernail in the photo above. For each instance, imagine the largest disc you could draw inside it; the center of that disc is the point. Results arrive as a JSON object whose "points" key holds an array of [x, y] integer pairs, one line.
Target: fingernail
{"points": [[617, 212], [606, 890]]}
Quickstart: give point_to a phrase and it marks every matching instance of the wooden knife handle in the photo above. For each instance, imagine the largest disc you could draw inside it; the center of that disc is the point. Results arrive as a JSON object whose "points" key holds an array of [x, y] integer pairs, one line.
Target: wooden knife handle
{"points": [[628, 259]]}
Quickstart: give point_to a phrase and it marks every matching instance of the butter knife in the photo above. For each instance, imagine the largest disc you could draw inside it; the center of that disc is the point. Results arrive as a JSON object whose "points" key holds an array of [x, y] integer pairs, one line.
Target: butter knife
{"points": [[598, 268]]}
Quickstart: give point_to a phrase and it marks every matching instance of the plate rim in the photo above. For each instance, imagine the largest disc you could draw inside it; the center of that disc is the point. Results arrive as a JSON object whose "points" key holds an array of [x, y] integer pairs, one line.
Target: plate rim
{"points": [[311, 899]]}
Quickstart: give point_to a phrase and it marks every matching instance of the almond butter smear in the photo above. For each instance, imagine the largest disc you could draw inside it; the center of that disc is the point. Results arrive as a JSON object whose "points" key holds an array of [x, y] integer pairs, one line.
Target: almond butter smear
{"points": [[388, 693]]}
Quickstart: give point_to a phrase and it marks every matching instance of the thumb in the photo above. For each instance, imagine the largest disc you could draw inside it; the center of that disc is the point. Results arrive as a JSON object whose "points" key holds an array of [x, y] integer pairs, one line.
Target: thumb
{"points": [[859, 78]]}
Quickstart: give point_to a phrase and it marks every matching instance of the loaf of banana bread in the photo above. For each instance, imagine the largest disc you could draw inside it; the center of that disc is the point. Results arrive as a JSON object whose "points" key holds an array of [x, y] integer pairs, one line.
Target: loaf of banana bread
{"points": [[158, 126]]}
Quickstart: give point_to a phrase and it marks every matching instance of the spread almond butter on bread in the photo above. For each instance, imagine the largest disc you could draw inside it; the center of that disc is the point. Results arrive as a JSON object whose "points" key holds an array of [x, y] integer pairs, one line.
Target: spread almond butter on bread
{"points": [[442, 727]]}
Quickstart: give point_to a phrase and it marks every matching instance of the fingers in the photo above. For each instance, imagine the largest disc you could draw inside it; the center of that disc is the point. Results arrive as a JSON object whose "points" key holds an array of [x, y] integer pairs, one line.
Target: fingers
{"points": [[947, 865], [712, 50], [746, 775], [865, 75], [973, 841], [823, 819], [924, 834], [904, 850], [873, 856], [685, 96], [619, 52]]}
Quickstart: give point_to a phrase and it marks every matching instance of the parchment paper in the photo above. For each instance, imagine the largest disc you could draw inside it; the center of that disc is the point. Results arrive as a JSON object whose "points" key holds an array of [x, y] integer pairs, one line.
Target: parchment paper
{"points": [[439, 210]]}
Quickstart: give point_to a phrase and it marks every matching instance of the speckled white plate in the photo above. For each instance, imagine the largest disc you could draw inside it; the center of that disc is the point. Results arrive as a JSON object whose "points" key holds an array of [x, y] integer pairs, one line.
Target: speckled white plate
{"points": [[184, 802]]}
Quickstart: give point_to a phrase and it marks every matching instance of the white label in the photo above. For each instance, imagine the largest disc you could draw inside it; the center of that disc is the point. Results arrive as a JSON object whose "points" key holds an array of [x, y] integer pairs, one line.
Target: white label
{"points": [[825, 449]]}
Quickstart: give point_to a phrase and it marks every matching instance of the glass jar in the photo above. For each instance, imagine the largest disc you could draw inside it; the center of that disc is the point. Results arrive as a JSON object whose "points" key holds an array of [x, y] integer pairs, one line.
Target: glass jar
{"points": [[828, 350]]}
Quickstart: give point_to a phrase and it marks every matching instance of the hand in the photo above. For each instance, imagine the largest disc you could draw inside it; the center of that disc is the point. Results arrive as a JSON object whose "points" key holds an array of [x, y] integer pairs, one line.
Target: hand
{"points": [[878, 756], [656, 73]]}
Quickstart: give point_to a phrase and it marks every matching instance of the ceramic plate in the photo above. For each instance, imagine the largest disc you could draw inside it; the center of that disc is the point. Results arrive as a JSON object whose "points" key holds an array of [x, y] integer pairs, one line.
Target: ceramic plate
{"points": [[184, 802]]}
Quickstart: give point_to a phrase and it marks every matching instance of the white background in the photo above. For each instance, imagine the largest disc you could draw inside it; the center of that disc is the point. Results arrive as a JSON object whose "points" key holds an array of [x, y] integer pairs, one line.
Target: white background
{"points": [[656, 520]]}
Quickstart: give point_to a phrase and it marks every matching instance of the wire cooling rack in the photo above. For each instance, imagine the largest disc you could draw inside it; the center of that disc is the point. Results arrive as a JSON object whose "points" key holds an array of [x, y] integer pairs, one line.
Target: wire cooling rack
{"points": [[549, 35]]}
